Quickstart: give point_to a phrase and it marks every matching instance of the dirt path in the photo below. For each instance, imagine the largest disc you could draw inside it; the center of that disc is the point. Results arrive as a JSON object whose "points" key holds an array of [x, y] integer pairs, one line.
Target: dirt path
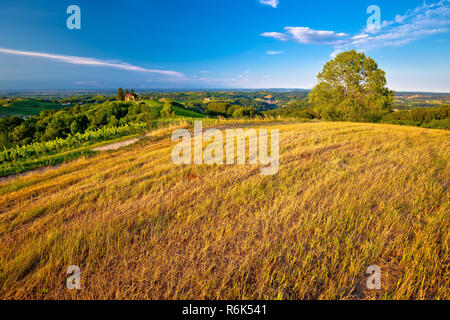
{"points": [[117, 145]]}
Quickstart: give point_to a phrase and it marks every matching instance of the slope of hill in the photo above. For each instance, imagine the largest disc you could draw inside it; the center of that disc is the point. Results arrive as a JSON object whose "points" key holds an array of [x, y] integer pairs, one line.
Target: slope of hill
{"points": [[181, 112], [27, 107], [347, 196]]}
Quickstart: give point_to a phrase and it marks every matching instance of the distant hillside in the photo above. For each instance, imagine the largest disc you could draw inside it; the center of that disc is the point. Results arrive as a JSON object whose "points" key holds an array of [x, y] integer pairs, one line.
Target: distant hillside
{"points": [[26, 107]]}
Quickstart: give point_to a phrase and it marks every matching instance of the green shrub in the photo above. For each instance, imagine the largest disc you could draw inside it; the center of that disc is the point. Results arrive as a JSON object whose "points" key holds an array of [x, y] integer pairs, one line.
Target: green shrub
{"points": [[433, 118]]}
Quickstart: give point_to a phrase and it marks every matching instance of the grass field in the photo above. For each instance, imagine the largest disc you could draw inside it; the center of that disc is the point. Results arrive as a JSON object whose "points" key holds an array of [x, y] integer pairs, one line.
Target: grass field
{"points": [[27, 108], [179, 112], [347, 196]]}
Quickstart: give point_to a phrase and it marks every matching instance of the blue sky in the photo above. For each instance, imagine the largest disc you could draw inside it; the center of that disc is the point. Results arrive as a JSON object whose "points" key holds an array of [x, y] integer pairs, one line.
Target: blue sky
{"points": [[217, 43]]}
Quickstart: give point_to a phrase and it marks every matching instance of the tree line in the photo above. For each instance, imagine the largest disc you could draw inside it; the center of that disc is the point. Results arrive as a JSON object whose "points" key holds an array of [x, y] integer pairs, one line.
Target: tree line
{"points": [[121, 94], [53, 124]]}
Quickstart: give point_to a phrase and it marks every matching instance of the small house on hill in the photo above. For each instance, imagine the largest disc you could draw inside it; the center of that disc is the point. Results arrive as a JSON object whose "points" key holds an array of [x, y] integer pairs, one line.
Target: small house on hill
{"points": [[130, 97]]}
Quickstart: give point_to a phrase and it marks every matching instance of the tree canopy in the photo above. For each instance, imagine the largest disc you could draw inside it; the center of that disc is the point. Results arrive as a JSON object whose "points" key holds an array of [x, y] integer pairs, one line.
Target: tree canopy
{"points": [[351, 87], [120, 94]]}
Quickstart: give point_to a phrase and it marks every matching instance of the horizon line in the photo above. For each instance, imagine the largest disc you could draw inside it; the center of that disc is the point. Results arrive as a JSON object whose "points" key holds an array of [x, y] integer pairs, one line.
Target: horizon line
{"points": [[189, 89]]}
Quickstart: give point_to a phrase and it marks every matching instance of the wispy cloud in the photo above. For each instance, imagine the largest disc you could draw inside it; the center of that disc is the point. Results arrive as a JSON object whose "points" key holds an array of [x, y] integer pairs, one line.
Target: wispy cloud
{"points": [[417, 23], [272, 3], [306, 35], [90, 62], [276, 35], [273, 53], [84, 83], [243, 79]]}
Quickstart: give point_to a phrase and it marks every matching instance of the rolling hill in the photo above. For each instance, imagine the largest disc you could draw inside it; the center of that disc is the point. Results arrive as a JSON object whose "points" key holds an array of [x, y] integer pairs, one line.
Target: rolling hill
{"points": [[27, 107], [347, 196]]}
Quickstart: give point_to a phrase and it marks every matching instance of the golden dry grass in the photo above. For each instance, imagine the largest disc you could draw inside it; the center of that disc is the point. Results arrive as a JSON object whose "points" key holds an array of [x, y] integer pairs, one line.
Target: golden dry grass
{"points": [[346, 196]]}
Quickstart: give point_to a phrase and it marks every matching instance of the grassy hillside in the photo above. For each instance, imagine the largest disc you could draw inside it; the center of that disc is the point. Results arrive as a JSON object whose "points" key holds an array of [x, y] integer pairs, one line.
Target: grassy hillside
{"points": [[28, 107], [180, 112], [346, 196]]}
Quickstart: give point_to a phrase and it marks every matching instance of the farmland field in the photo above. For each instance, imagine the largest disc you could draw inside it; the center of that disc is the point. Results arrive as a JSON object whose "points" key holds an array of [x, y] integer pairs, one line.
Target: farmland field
{"points": [[27, 107], [347, 196]]}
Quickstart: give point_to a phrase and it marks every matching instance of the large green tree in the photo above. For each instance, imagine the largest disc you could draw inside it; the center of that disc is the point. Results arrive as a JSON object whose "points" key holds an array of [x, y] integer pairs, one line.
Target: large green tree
{"points": [[167, 111], [120, 94], [351, 87]]}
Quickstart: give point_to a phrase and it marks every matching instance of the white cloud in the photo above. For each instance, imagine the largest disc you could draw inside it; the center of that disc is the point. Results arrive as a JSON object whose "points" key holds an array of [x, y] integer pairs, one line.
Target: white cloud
{"points": [[90, 62], [307, 35], [83, 83], [360, 36], [335, 53], [273, 53], [272, 3], [276, 35], [425, 20], [244, 79]]}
